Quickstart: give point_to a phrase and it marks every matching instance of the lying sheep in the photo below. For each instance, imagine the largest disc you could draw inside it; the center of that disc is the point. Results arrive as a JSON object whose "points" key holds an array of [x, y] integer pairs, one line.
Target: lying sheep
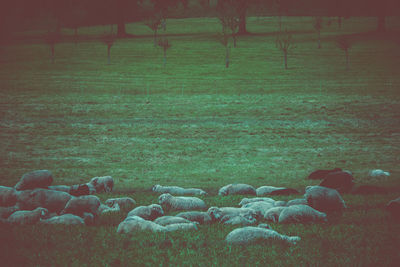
{"points": [[320, 174], [5, 212], [125, 203], [136, 223], [103, 209], [176, 190], [54, 201], [196, 216], [27, 216], [342, 181], [218, 213], [66, 219], [237, 189], [170, 202], [150, 212], [378, 173], [301, 214], [246, 200], [252, 235], [237, 220], [181, 227], [266, 190], [63, 188], [80, 205], [8, 196], [297, 201], [102, 184], [284, 192], [324, 199], [166, 220], [394, 208], [259, 207], [35, 179], [272, 215], [78, 190]]}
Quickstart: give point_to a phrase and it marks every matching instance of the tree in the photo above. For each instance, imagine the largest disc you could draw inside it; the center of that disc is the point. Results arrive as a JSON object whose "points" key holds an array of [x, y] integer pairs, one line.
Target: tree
{"points": [[240, 7], [165, 45], [317, 23], [154, 23], [229, 19], [344, 43], [281, 7], [108, 39], [285, 43], [52, 38], [224, 40]]}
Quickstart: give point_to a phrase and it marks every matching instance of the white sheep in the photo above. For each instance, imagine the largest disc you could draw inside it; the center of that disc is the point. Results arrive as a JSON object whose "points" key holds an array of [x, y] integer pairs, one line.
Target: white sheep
{"points": [[378, 174], [150, 212], [125, 203], [237, 189], [324, 199], [176, 190], [181, 227], [196, 216], [35, 179], [253, 235], [266, 190], [237, 220], [301, 214], [80, 205], [52, 200], [27, 216], [66, 219], [166, 220], [297, 201], [272, 215], [103, 209], [5, 212], [136, 223], [246, 200], [170, 202], [218, 213], [259, 207], [63, 188], [102, 184], [8, 196]]}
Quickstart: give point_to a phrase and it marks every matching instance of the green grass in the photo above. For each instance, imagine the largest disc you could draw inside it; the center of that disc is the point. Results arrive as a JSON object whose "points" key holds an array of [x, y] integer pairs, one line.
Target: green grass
{"points": [[197, 124]]}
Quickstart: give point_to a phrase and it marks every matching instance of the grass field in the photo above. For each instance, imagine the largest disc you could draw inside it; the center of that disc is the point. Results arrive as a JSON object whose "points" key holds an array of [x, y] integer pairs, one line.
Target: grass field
{"points": [[195, 123]]}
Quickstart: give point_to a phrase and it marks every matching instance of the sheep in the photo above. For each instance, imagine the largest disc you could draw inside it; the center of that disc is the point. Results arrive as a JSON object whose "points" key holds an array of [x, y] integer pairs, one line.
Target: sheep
{"points": [[280, 203], [102, 184], [252, 235], [284, 192], [80, 205], [66, 219], [106, 209], [63, 188], [181, 227], [166, 220], [196, 216], [136, 223], [378, 173], [297, 201], [320, 174], [246, 200], [79, 190], [218, 213], [170, 202], [272, 215], [324, 199], [27, 216], [8, 196], [54, 201], [394, 208], [266, 190], [150, 212], [259, 207], [35, 179], [125, 203], [342, 181], [301, 214], [176, 190], [5, 212], [237, 219], [237, 189]]}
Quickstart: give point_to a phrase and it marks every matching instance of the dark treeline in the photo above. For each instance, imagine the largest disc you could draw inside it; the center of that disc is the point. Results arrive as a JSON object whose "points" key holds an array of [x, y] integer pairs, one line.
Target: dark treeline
{"points": [[53, 15]]}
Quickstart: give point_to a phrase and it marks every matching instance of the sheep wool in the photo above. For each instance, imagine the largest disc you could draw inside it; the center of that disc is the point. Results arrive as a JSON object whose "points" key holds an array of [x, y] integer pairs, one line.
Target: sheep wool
{"points": [[170, 202], [251, 235]]}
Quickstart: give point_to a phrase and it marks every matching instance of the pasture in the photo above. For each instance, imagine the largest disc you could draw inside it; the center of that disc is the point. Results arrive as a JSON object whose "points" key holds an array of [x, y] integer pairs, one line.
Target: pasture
{"points": [[195, 123]]}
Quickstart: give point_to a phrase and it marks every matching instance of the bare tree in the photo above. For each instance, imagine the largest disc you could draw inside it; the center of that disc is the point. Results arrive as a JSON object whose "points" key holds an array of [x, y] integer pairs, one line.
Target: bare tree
{"points": [[224, 40], [344, 43], [285, 43], [52, 38], [317, 23], [108, 39], [165, 45], [154, 23], [229, 19]]}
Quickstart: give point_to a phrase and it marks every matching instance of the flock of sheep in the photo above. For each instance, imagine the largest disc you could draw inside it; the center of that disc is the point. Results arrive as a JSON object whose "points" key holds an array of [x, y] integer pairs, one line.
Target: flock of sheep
{"points": [[34, 200]]}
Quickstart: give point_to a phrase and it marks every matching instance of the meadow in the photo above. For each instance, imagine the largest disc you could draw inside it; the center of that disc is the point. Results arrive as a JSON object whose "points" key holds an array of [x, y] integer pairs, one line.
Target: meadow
{"points": [[195, 123]]}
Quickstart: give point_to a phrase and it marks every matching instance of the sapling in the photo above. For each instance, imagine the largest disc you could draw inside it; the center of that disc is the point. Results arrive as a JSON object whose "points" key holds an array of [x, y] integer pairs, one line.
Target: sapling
{"points": [[344, 43], [285, 43], [108, 39], [317, 23], [52, 38], [155, 23], [165, 45]]}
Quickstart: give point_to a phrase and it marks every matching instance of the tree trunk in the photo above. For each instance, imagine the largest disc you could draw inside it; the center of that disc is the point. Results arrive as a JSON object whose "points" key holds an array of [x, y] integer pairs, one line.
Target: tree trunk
{"points": [[285, 55], [381, 24], [227, 58], [242, 23], [108, 54]]}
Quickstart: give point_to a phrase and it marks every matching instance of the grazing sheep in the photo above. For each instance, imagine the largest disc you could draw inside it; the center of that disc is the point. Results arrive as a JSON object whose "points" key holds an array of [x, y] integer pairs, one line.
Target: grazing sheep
{"points": [[320, 174], [102, 184], [267, 190], [394, 208], [297, 201], [35, 179], [63, 188], [252, 235], [166, 220], [237, 189], [301, 214], [272, 215], [125, 203], [170, 202], [27, 216], [5, 212], [136, 223], [196, 216], [324, 199], [150, 212], [181, 227], [66, 219], [259, 207], [78, 190], [378, 173], [342, 181], [218, 213], [237, 220], [369, 189], [176, 190], [8, 196], [54, 201], [106, 209], [284, 192], [80, 205], [246, 200]]}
